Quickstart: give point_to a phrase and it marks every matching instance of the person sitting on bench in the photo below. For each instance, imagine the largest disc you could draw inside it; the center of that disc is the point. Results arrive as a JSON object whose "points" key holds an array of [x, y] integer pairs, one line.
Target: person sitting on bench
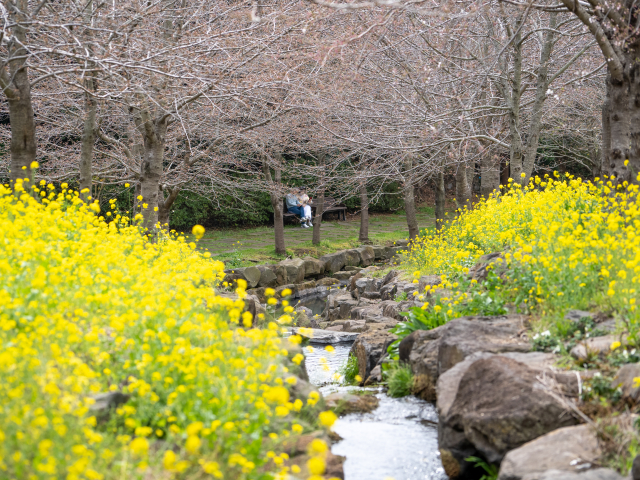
{"points": [[304, 199], [294, 206]]}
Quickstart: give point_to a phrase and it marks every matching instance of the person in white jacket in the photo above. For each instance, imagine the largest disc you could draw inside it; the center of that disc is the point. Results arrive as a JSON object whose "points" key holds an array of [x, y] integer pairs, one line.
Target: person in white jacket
{"points": [[305, 201]]}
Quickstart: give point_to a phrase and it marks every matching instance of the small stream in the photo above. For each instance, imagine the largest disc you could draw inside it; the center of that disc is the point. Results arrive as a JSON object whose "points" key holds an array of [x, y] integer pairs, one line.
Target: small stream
{"points": [[398, 440]]}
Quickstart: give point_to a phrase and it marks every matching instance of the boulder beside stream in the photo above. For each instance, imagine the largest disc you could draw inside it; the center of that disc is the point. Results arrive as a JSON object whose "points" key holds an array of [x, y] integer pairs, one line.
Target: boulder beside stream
{"points": [[499, 405], [432, 352]]}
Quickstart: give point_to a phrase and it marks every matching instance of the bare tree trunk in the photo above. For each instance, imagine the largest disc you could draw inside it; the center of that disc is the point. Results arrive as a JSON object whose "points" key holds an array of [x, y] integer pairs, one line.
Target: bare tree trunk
{"points": [[276, 204], [278, 219], [606, 136], [410, 201], [165, 204], [489, 175], [151, 174], [17, 89], [504, 172], [463, 185], [621, 114], [88, 139], [440, 200], [317, 221], [364, 214], [542, 85]]}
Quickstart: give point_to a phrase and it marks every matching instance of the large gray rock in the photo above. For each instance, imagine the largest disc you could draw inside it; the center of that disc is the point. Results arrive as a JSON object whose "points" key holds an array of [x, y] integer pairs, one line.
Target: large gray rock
{"points": [[499, 406], [382, 253], [369, 348], [431, 353], [597, 474], [448, 382], [313, 266], [568, 449], [367, 255], [333, 262], [596, 346], [268, 277], [625, 380], [468, 335], [251, 275], [351, 257], [290, 271]]}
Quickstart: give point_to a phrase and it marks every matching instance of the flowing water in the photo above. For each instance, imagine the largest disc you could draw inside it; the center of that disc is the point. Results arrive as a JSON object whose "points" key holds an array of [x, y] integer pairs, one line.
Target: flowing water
{"points": [[398, 440]]}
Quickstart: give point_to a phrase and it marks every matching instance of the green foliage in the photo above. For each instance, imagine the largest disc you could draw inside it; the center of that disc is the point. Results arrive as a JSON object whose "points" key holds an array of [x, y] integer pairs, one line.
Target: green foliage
{"points": [[399, 380], [191, 208], [401, 297], [350, 370], [491, 471], [600, 388], [416, 319]]}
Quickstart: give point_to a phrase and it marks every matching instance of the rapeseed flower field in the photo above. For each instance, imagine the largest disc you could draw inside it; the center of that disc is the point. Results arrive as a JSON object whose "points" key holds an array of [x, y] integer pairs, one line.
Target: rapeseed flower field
{"points": [[566, 244], [92, 309]]}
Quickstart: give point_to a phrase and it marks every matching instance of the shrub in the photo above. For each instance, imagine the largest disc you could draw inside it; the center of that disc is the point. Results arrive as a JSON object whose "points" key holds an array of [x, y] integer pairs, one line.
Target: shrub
{"points": [[350, 371], [90, 305], [399, 380]]}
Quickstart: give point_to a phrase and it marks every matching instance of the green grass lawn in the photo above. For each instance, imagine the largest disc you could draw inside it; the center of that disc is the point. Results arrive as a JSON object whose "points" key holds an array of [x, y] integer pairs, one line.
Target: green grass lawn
{"points": [[249, 246]]}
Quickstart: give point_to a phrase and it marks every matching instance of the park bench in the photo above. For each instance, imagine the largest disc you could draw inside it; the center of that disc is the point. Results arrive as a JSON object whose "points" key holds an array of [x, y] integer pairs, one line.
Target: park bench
{"points": [[330, 205]]}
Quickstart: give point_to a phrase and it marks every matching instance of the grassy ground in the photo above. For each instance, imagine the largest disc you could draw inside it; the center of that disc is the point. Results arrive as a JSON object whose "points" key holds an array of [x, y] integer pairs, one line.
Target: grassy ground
{"points": [[241, 247]]}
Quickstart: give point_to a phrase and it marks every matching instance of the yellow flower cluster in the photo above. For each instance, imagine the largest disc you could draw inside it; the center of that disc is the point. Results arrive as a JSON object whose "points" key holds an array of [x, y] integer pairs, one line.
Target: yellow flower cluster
{"points": [[575, 242], [92, 311]]}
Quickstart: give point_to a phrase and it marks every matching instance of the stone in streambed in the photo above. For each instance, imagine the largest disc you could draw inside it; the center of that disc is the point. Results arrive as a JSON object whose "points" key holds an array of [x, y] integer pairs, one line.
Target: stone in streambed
{"points": [[369, 348], [344, 403], [568, 449], [324, 337]]}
